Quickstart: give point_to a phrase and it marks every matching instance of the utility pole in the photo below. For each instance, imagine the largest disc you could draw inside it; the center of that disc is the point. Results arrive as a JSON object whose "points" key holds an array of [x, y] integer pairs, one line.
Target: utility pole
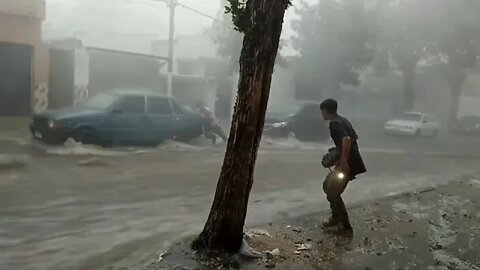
{"points": [[171, 37]]}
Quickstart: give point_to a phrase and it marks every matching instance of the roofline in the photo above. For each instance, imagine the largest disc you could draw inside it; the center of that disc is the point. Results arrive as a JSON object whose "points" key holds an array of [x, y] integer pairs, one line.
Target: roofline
{"points": [[126, 53], [136, 92]]}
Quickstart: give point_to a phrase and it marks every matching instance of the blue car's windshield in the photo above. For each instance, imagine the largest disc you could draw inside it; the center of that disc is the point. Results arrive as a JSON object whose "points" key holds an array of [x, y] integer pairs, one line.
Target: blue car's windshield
{"points": [[101, 101], [415, 117]]}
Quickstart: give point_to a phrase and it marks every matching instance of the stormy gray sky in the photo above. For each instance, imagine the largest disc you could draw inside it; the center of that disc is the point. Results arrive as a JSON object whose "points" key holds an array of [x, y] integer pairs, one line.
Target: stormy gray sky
{"points": [[143, 19]]}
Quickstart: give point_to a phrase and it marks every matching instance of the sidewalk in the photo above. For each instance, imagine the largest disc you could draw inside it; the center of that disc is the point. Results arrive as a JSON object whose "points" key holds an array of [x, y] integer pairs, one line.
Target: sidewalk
{"points": [[433, 229]]}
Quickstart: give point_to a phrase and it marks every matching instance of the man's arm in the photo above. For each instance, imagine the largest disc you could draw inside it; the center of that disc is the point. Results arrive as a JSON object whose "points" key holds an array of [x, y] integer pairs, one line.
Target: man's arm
{"points": [[346, 149], [338, 131]]}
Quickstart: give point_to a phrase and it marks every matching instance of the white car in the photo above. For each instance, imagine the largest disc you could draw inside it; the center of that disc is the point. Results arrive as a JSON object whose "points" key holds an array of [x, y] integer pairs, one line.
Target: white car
{"points": [[413, 123]]}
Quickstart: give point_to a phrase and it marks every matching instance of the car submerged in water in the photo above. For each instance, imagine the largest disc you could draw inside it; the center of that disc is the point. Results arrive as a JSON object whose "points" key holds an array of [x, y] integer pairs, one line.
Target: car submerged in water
{"points": [[119, 118]]}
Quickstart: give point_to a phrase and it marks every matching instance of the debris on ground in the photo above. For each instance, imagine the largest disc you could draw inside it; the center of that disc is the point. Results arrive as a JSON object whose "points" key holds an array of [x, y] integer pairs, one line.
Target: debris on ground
{"points": [[301, 247], [272, 253], [257, 232], [247, 252], [162, 255], [437, 229]]}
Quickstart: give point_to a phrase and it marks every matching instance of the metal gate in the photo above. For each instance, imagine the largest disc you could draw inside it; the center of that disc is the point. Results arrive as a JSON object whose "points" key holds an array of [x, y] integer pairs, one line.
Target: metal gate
{"points": [[16, 64]]}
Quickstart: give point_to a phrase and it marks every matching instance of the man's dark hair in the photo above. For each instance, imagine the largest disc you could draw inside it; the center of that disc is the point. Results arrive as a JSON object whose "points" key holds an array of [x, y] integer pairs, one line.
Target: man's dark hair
{"points": [[329, 105]]}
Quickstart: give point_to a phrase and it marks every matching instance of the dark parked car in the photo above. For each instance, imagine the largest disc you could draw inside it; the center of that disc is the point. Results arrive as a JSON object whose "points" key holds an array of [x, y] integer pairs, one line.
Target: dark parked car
{"points": [[303, 120], [127, 117], [468, 125], [281, 113]]}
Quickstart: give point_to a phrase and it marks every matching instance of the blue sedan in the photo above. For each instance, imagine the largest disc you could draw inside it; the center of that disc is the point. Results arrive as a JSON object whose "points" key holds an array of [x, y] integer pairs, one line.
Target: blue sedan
{"points": [[127, 118]]}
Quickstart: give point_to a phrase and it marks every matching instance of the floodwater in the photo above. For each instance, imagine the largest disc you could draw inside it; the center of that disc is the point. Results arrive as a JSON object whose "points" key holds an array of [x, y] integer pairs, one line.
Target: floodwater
{"points": [[84, 207]]}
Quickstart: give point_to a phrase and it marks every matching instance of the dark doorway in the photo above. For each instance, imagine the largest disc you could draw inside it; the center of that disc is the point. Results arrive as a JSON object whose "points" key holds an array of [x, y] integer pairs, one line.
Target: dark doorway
{"points": [[15, 79]]}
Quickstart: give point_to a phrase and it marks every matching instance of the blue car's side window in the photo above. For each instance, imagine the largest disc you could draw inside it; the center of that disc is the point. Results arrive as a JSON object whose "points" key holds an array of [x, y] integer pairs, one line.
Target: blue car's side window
{"points": [[132, 105], [159, 106], [176, 108]]}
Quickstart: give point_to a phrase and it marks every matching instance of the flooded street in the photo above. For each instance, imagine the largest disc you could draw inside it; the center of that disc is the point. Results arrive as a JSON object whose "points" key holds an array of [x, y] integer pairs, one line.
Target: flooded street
{"points": [[387, 83], [82, 207]]}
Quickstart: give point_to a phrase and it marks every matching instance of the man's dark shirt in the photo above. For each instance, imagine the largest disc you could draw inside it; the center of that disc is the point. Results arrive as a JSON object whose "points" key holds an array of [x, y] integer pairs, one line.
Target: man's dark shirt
{"points": [[340, 128]]}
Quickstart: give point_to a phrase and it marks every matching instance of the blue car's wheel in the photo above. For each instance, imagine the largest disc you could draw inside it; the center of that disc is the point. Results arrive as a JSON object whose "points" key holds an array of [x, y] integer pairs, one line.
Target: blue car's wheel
{"points": [[85, 135]]}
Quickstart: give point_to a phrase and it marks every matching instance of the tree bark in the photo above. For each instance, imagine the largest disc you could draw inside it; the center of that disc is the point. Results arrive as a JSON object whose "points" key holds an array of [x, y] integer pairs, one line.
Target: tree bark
{"points": [[223, 231]]}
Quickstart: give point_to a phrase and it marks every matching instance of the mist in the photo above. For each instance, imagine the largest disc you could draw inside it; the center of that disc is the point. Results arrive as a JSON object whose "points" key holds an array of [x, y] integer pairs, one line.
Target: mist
{"points": [[113, 132]]}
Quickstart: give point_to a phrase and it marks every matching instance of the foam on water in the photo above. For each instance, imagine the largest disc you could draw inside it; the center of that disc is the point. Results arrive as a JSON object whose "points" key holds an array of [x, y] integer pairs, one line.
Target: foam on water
{"points": [[291, 143], [74, 148]]}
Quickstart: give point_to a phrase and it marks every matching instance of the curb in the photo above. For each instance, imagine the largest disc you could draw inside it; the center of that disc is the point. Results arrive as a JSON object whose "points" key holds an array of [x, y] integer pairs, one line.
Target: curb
{"points": [[374, 151]]}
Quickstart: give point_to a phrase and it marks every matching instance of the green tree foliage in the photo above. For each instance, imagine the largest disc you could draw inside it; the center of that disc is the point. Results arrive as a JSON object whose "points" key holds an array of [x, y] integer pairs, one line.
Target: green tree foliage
{"points": [[332, 40], [229, 37]]}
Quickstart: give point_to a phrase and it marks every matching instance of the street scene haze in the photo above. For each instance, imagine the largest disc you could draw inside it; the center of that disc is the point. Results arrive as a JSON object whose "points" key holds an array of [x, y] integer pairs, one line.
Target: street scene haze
{"points": [[239, 134]]}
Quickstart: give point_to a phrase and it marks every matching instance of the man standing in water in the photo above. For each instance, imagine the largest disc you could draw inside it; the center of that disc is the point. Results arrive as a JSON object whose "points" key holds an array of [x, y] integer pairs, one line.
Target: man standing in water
{"points": [[212, 127], [348, 164]]}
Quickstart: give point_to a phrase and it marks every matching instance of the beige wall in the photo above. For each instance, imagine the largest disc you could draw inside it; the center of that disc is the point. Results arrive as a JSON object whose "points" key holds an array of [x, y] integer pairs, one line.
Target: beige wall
{"points": [[21, 23], [19, 29], [28, 8]]}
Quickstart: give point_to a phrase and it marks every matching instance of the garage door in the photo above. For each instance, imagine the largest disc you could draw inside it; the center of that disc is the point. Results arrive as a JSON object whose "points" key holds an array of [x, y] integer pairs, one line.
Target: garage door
{"points": [[15, 79]]}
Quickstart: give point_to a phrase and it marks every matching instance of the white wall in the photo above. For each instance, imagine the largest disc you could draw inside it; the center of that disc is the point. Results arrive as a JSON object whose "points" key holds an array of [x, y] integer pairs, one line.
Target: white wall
{"points": [[282, 90], [188, 47], [469, 106]]}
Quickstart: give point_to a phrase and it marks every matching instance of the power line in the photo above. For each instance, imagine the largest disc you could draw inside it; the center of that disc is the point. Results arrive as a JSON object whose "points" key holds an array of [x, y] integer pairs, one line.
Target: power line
{"points": [[201, 13], [197, 11]]}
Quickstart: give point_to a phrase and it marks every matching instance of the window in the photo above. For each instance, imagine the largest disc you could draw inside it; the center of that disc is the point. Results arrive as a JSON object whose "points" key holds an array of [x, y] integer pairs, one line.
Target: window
{"points": [[176, 108], [309, 110], [101, 101], [132, 104], [414, 117], [158, 105]]}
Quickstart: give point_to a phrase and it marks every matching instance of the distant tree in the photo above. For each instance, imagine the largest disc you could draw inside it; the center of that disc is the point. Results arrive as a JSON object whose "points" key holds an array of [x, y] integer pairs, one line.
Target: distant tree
{"points": [[261, 22], [456, 45], [229, 39], [404, 29], [332, 40]]}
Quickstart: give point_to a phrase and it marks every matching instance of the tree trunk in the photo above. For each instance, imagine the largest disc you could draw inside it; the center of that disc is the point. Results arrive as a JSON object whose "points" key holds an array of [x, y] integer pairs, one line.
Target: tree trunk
{"points": [[456, 84], [454, 105], [223, 230], [408, 88]]}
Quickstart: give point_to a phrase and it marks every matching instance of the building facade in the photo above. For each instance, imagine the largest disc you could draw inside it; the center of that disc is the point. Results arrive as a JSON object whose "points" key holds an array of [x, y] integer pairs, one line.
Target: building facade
{"points": [[23, 58]]}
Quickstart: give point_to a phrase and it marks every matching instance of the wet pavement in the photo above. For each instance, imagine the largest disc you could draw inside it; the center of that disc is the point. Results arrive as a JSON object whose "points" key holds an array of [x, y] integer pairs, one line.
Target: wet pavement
{"points": [[82, 207], [433, 229]]}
